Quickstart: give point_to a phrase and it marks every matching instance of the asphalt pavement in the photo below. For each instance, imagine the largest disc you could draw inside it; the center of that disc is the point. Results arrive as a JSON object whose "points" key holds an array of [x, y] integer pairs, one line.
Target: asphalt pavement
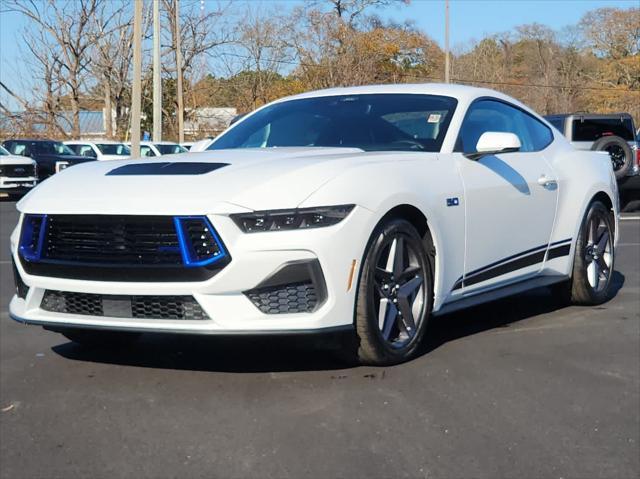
{"points": [[519, 388]]}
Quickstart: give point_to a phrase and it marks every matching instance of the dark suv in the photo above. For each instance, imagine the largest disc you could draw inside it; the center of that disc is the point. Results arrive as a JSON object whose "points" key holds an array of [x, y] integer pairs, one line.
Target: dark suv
{"points": [[51, 156]]}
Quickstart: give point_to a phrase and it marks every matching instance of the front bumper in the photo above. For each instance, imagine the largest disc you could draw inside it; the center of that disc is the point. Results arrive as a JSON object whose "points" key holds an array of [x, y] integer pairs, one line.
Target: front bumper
{"points": [[256, 257], [17, 185]]}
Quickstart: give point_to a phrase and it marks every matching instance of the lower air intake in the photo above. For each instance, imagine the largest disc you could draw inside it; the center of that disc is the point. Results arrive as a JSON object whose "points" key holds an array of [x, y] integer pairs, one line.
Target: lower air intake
{"points": [[140, 307], [285, 299]]}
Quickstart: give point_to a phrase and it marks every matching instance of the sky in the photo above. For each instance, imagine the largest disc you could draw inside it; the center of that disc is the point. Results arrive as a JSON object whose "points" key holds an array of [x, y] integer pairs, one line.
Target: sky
{"points": [[470, 19]]}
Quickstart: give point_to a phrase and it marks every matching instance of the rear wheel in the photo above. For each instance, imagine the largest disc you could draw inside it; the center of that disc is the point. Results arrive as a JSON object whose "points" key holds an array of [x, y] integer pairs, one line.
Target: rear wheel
{"points": [[96, 339], [395, 294], [593, 261]]}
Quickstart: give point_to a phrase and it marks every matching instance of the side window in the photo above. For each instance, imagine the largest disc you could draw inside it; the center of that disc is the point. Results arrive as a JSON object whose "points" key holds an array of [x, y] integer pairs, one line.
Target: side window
{"points": [[540, 134], [146, 151], [85, 150], [492, 115], [18, 148]]}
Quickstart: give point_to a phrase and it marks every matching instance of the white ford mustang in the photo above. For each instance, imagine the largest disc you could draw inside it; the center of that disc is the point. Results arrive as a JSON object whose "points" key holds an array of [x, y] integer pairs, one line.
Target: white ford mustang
{"points": [[365, 208]]}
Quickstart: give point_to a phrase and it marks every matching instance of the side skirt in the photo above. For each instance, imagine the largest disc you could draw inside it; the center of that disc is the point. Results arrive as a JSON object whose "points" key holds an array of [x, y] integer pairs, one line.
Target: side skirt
{"points": [[499, 292]]}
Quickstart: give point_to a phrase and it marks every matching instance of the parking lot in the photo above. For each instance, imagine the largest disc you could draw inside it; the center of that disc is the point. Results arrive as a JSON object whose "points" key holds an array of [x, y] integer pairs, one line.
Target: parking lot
{"points": [[517, 388]]}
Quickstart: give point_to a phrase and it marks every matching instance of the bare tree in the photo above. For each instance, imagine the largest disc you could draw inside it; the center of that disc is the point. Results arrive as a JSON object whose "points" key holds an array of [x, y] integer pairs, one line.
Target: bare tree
{"points": [[112, 53], [68, 28]]}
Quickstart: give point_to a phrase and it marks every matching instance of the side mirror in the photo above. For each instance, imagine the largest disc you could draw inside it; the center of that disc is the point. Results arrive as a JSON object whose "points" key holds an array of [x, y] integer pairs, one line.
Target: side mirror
{"points": [[494, 142]]}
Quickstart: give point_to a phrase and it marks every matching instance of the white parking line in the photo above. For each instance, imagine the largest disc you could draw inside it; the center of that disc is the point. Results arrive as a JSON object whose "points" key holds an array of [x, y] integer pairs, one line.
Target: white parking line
{"points": [[629, 218]]}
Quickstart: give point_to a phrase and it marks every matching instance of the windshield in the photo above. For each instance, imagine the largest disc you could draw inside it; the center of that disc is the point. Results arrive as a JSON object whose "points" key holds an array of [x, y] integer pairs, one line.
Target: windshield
{"points": [[3, 152], [114, 149], [372, 122], [170, 149]]}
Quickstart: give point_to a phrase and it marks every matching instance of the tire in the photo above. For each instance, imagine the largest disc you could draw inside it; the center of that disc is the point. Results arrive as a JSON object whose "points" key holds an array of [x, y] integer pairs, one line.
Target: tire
{"points": [[593, 261], [95, 339], [394, 295], [620, 152]]}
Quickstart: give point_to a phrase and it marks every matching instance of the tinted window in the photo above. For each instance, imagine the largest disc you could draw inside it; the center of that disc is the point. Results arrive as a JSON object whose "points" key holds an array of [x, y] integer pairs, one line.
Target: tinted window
{"points": [[114, 149], [3, 152], [170, 149], [595, 128], [370, 122], [490, 115]]}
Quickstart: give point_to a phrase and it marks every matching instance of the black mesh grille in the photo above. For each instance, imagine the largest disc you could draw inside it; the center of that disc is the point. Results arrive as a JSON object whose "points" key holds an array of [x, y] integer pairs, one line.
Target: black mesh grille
{"points": [[126, 240], [143, 307], [72, 303], [166, 307], [285, 299], [18, 171]]}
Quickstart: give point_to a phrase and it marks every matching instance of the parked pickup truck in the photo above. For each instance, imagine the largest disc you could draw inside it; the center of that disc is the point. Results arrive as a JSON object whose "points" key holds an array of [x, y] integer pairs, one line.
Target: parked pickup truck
{"points": [[17, 173], [51, 156]]}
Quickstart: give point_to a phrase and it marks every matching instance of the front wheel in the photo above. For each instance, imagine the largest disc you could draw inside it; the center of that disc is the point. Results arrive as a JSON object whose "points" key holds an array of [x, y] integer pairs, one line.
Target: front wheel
{"points": [[593, 261], [394, 296]]}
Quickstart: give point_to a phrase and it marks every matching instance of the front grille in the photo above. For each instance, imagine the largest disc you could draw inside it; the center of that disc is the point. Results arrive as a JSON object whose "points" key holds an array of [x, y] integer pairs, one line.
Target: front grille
{"points": [[139, 307], [285, 299], [18, 171], [114, 240]]}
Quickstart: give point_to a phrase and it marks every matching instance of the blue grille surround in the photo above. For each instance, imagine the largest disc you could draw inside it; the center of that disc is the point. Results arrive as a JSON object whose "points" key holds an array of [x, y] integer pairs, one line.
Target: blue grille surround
{"points": [[32, 236], [126, 247], [202, 251]]}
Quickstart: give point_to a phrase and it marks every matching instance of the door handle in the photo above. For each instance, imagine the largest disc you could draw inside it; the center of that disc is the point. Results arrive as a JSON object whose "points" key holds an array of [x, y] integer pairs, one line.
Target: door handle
{"points": [[547, 182]]}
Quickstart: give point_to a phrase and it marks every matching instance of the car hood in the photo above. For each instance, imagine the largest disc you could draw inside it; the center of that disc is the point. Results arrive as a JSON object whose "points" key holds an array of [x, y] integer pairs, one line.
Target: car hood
{"points": [[15, 160], [247, 179]]}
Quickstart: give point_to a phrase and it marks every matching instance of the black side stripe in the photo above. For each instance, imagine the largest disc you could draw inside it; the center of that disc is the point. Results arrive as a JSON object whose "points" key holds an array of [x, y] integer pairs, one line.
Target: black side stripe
{"points": [[559, 251], [515, 262]]}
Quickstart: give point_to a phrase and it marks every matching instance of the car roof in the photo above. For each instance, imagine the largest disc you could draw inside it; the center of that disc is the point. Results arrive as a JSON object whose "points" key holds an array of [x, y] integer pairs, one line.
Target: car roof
{"points": [[459, 92]]}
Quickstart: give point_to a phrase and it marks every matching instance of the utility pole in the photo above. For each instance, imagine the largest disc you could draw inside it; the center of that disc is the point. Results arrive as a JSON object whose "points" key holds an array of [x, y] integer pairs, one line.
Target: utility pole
{"points": [[447, 78], [157, 81], [136, 93], [179, 70]]}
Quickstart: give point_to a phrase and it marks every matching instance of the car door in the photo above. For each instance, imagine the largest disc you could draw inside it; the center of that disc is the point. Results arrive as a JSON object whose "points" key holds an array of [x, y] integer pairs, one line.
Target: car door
{"points": [[509, 198]]}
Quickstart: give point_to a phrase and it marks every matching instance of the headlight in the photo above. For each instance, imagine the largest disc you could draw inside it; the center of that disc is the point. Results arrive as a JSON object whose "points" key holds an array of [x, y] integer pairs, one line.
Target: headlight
{"points": [[1, 170], [299, 218]]}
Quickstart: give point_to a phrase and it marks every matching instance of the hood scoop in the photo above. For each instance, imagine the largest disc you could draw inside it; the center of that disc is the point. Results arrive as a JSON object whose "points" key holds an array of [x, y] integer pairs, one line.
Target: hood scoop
{"points": [[166, 168]]}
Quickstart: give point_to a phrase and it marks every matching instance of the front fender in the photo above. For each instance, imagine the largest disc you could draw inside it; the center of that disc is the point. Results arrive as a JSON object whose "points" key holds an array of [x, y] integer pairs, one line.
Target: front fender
{"points": [[425, 181]]}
